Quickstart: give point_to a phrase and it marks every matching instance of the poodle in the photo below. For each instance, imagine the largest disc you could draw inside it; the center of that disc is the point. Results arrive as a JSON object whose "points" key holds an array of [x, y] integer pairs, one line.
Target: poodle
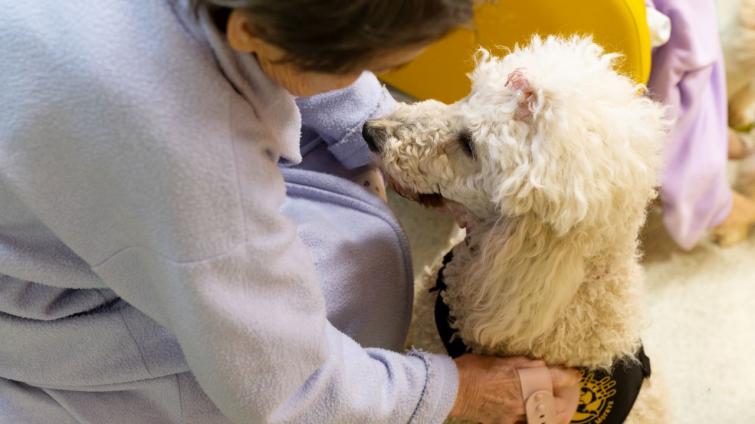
{"points": [[549, 164]]}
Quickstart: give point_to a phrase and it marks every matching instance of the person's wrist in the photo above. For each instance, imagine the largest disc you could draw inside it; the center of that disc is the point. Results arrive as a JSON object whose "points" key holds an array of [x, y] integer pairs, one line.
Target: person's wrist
{"points": [[460, 408]]}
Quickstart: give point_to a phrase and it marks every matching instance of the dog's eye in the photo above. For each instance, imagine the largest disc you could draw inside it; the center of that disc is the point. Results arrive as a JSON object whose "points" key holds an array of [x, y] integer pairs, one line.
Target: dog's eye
{"points": [[465, 141]]}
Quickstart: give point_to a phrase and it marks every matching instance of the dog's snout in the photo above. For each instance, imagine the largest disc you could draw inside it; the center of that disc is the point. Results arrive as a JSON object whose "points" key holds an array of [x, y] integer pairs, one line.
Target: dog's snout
{"points": [[373, 136]]}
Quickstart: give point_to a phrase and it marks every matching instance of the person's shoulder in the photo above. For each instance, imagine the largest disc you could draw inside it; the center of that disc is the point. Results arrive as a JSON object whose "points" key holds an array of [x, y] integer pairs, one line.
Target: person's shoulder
{"points": [[96, 40], [123, 61], [121, 80]]}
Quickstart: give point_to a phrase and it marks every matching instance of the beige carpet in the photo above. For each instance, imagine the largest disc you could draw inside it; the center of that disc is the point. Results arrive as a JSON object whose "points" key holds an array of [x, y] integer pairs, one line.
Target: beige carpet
{"points": [[700, 316], [701, 310]]}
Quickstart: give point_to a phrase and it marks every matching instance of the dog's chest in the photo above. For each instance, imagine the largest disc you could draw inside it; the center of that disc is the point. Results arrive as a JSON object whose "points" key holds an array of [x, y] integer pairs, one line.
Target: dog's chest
{"points": [[599, 326], [605, 397]]}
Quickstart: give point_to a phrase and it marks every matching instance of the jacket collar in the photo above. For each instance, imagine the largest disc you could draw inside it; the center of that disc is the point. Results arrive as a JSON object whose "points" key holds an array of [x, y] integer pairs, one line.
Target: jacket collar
{"points": [[273, 106]]}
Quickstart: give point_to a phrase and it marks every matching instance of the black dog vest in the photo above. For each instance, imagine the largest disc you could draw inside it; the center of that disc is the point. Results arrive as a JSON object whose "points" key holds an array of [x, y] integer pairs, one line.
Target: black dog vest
{"points": [[605, 398]]}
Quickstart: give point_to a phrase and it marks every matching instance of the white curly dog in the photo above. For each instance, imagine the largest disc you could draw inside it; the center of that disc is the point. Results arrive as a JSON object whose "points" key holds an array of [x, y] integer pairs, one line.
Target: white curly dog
{"points": [[549, 163]]}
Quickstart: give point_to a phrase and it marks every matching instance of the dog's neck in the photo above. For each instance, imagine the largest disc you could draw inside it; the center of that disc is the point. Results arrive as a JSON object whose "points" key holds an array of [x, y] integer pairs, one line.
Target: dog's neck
{"points": [[511, 306]]}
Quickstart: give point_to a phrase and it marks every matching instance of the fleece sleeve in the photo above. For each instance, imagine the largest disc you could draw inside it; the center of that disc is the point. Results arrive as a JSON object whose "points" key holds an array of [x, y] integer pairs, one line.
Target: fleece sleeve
{"points": [[156, 173]]}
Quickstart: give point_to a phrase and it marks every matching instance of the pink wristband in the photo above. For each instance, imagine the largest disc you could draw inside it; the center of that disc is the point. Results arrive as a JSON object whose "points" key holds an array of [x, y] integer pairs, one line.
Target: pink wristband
{"points": [[537, 392]]}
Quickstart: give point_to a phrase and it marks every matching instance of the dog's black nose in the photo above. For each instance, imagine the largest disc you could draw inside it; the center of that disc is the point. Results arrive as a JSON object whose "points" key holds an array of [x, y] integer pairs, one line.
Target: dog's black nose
{"points": [[373, 137]]}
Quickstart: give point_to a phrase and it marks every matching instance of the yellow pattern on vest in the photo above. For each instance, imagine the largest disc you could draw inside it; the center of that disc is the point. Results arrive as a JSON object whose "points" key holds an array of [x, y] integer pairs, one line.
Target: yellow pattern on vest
{"points": [[595, 402]]}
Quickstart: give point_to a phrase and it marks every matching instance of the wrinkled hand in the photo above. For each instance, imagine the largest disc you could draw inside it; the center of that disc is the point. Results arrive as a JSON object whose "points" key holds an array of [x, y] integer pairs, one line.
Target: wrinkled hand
{"points": [[490, 391]]}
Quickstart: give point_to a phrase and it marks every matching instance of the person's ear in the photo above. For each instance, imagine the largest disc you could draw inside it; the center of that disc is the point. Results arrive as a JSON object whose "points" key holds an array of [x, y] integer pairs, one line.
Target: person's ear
{"points": [[239, 32]]}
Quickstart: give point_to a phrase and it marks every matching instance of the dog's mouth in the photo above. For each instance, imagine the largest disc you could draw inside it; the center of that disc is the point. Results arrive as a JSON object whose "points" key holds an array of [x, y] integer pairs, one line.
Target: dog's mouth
{"points": [[435, 201], [429, 200]]}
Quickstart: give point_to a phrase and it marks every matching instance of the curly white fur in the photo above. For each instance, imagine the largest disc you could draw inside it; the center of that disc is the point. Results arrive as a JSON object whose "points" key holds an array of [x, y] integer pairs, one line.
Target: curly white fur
{"points": [[550, 161]]}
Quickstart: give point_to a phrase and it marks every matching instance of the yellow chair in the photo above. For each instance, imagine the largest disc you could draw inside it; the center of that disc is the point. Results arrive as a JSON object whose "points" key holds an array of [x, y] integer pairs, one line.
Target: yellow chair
{"points": [[441, 71]]}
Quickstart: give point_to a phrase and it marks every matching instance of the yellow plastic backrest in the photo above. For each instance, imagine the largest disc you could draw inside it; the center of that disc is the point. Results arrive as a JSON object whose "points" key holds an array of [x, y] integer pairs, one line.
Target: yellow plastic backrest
{"points": [[441, 71]]}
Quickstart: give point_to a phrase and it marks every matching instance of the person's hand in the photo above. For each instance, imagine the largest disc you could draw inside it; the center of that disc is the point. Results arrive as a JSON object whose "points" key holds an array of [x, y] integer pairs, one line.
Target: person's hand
{"points": [[490, 391]]}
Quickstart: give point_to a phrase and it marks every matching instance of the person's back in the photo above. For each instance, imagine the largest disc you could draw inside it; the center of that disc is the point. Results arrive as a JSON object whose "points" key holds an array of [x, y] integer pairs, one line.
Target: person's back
{"points": [[75, 105]]}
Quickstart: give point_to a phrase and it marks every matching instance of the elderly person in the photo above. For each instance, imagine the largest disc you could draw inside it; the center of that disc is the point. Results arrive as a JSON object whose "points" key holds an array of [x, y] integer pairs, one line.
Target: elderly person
{"points": [[153, 268]]}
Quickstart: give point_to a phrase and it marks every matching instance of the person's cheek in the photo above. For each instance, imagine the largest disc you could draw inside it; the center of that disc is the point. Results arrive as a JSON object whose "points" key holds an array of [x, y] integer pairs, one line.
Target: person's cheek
{"points": [[288, 79], [300, 83]]}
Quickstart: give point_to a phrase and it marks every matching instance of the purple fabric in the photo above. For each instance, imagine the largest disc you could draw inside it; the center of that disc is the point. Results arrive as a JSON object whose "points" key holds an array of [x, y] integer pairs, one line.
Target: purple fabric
{"points": [[688, 76], [145, 232], [336, 117]]}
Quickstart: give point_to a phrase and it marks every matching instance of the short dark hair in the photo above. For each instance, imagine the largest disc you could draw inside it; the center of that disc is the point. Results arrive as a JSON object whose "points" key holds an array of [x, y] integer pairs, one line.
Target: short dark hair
{"points": [[339, 36]]}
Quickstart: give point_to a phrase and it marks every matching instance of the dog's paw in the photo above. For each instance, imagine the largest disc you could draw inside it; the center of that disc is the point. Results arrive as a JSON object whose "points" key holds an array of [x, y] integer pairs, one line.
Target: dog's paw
{"points": [[738, 148], [736, 228], [730, 235]]}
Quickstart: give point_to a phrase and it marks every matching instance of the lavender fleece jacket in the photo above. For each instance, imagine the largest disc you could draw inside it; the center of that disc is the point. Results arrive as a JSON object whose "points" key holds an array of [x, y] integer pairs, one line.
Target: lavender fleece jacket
{"points": [[142, 230]]}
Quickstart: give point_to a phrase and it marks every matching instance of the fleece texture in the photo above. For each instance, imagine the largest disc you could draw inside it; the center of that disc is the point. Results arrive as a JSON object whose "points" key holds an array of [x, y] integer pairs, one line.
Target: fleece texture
{"points": [[142, 233], [336, 117]]}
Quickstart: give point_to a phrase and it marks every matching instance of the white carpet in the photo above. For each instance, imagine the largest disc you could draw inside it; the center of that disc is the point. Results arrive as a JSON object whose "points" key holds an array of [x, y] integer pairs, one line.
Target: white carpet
{"points": [[701, 317], [701, 334]]}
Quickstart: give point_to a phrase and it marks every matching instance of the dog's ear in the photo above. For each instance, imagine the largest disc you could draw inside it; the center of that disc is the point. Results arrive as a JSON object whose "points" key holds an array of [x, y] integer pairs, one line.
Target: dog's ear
{"points": [[555, 188], [528, 99], [585, 151]]}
